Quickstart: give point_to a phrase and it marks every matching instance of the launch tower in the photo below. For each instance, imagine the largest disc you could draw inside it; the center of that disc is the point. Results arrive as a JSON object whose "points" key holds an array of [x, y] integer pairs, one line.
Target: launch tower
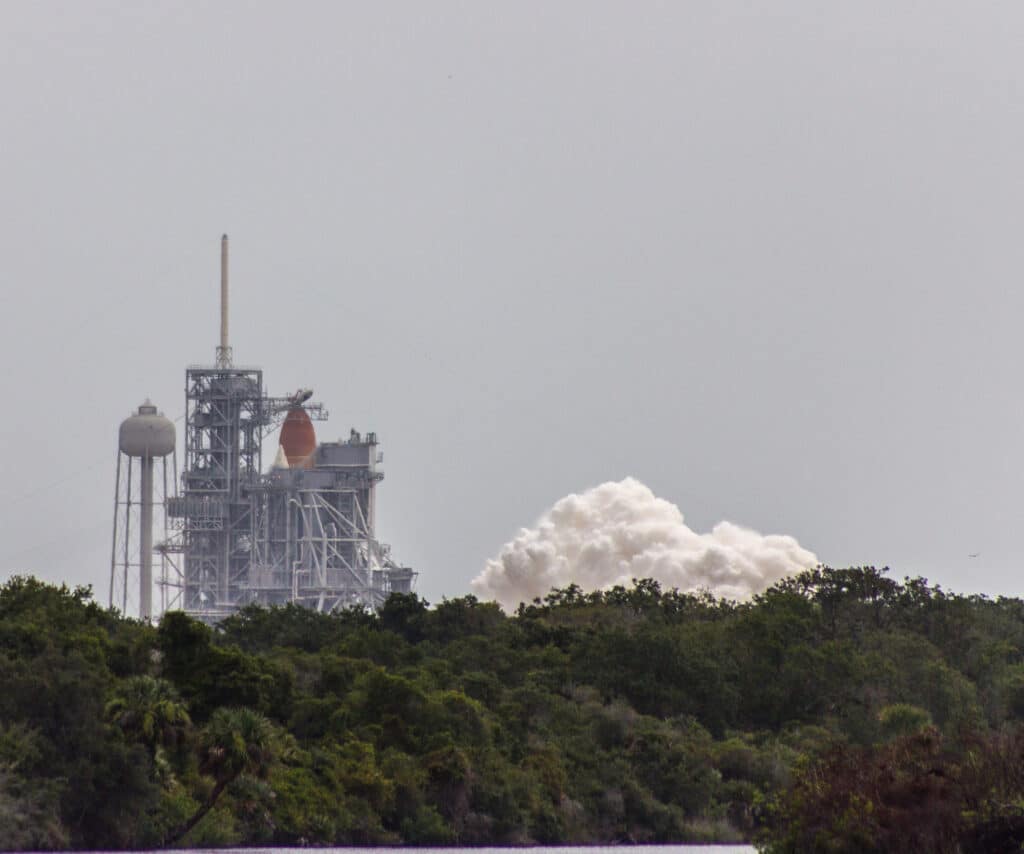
{"points": [[301, 532]]}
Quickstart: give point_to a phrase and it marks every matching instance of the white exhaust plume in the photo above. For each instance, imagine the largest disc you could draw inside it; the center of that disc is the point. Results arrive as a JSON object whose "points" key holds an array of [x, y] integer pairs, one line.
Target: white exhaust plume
{"points": [[616, 532]]}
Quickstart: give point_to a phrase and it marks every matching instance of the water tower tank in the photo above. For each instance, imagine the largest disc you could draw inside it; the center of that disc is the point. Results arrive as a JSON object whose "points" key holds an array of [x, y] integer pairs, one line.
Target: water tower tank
{"points": [[147, 433]]}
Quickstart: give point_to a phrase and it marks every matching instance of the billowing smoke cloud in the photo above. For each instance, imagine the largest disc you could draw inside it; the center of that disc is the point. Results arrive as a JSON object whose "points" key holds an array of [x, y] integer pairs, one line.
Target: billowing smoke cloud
{"points": [[616, 532]]}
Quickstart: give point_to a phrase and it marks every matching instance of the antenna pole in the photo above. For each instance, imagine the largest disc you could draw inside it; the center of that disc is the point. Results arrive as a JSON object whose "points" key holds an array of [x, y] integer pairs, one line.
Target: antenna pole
{"points": [[224, 351]]}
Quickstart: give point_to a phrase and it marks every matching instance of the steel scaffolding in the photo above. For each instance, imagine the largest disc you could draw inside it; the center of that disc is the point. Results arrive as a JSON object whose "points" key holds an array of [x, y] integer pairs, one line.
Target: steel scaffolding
{"points": [[291, 535]]}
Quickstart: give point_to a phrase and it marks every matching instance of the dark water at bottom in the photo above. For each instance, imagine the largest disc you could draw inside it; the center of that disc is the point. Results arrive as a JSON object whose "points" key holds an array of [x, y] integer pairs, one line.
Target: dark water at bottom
{"points": [[538, 849]]}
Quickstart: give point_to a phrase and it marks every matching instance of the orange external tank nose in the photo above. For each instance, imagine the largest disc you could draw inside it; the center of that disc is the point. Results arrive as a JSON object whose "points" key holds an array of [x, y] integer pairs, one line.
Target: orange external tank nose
{"points": [[298, 438]]}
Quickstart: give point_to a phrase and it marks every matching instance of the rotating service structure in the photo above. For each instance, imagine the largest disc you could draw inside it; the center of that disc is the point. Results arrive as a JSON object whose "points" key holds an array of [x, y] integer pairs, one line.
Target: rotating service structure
{"points": [[302, 531]]}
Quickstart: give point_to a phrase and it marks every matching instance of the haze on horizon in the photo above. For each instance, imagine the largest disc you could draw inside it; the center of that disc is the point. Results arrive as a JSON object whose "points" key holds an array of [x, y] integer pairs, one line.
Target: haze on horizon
{"points": [[765, 259]]}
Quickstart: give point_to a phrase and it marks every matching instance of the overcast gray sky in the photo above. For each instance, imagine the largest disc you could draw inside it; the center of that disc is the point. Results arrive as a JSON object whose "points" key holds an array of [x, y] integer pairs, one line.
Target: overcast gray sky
{"points": [[764, 257]]}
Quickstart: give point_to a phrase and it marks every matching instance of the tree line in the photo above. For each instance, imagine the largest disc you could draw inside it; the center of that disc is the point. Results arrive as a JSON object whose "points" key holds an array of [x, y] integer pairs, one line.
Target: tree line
{"points": [[841, 710]]}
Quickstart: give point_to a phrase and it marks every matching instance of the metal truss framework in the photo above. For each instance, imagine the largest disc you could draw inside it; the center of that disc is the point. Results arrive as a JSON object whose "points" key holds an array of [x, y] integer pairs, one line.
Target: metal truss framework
{"points": [[245, 537], [224, 417], [316, 547]]}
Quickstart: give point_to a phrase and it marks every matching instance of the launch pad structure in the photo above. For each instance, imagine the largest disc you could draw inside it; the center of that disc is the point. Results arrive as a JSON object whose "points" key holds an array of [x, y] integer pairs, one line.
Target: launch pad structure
{"points": [[301, 531]]}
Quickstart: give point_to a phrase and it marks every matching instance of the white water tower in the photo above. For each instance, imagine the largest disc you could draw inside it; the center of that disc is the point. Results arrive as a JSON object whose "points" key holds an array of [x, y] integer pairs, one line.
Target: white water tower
{"points": [[144, 437]]}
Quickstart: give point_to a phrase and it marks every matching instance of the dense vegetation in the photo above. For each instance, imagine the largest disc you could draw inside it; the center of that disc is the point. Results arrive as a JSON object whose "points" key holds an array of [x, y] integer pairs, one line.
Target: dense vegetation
{"points": [[838, 711]]}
